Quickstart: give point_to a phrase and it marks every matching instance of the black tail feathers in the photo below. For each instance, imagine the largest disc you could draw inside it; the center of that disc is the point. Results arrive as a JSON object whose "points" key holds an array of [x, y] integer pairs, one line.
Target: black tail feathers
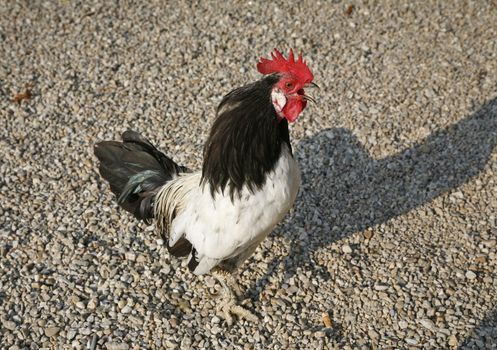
{"points": [[135, 170]]}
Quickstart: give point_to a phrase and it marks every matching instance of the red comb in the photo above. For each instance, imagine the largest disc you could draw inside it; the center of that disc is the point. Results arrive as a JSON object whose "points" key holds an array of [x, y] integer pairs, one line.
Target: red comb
{"points": [[279, 64]]}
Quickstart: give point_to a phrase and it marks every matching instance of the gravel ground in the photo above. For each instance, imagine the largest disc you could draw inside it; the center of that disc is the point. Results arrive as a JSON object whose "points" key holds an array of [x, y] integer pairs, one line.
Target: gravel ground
{"points": [[394, 231]]}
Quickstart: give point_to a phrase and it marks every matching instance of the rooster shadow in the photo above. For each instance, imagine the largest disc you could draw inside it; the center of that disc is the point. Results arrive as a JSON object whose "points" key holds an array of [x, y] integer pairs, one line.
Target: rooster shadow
{"points": [[484, 335], [344, 190]]}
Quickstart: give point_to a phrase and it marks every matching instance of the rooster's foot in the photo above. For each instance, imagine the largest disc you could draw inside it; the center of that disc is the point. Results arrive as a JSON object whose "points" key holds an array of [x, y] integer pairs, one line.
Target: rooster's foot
{"points": [[229, 304]]}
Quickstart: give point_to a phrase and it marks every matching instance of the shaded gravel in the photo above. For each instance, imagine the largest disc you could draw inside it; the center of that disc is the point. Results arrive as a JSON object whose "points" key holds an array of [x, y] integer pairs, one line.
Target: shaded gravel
{"points": [[393, 236]]}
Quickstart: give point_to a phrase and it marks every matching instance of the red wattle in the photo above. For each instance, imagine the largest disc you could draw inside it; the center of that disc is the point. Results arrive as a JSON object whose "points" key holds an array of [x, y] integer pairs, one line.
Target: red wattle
{"points": [[293, 108]]}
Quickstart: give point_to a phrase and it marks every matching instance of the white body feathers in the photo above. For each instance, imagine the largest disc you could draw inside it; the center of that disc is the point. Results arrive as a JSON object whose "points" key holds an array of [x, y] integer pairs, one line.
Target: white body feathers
{"points": [[220, 228]]}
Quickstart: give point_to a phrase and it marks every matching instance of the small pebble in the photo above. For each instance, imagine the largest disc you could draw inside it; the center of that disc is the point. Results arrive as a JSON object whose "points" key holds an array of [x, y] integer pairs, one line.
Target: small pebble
{"points": [[346, 249], [51, 331], [470, 275]]}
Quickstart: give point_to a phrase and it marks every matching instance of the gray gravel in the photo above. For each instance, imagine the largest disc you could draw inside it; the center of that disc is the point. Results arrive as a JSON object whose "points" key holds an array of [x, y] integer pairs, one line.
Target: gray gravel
{"points": [[393, 236]]}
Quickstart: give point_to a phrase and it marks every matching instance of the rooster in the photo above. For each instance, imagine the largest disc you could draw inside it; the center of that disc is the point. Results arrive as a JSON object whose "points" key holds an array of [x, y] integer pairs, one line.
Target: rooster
{"points": [[249, 180]]}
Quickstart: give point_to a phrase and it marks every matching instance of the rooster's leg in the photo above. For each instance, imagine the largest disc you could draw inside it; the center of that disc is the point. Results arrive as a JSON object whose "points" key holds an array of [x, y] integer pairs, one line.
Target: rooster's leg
{"points": [[229, 304]]}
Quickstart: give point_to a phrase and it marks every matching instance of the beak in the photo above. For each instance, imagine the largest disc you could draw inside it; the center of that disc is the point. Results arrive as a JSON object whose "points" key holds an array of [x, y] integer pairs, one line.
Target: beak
{"points": [[313, 85], [309, 98]]}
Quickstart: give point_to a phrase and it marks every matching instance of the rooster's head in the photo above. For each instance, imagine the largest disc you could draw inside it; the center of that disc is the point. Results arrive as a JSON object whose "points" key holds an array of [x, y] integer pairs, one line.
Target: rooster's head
{"points": [[288, 95]]}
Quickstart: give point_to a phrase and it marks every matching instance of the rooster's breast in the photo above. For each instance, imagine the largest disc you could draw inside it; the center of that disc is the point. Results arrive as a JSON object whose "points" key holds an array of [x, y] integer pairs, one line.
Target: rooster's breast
{"points": [[220, 228]]}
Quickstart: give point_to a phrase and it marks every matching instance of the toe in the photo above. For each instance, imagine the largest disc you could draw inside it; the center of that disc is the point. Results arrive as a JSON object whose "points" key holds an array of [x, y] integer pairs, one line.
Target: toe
{"points": [[244, 313], [227, 315]]}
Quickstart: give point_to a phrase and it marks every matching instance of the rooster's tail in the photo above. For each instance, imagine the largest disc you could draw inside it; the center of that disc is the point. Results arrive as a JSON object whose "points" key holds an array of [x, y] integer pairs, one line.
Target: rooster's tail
{"points": [[135, 170]]}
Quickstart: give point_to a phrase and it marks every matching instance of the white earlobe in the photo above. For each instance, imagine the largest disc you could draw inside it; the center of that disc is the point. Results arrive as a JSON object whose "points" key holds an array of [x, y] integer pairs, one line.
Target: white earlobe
{"points": [[279, 100]]}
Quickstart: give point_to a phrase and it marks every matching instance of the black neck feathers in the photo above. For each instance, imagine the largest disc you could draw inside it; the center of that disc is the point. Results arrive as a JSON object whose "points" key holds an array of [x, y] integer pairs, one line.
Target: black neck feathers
{"points": [[245, 140]]}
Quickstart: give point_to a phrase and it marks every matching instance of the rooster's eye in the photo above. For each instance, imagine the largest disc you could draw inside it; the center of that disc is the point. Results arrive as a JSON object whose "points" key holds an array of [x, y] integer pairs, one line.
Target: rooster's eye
{"points": [[289, 85]]}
